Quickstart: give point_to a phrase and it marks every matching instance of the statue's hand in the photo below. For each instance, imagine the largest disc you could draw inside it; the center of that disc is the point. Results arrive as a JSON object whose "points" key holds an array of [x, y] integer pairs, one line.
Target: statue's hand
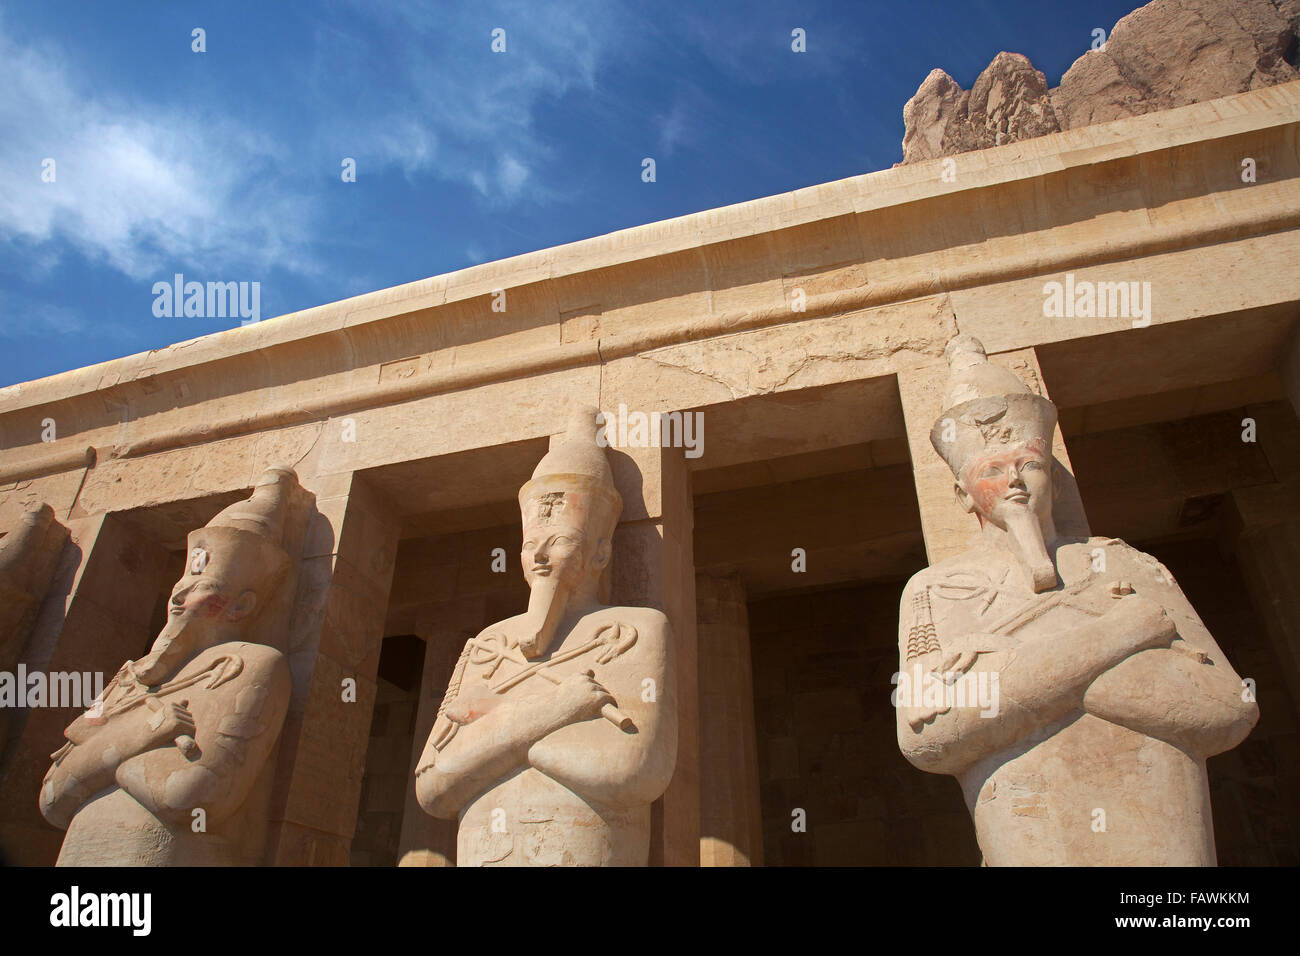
{"points": [[166, 721], [81, 730], [458, 711], [578, 697], [960, 653]]}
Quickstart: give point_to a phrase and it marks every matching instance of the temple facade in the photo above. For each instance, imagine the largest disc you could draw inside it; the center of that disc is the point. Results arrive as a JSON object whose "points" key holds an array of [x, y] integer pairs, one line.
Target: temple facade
{"points": [[770, 374]]}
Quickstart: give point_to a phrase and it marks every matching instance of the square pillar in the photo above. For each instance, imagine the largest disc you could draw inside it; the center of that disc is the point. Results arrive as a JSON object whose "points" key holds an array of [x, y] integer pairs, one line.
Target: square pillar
{"points": [[731, 825], [1264, 524], [30, 554], [654, 566], [427, 840], [1267, 547], [1289, 369], [334, 637]]}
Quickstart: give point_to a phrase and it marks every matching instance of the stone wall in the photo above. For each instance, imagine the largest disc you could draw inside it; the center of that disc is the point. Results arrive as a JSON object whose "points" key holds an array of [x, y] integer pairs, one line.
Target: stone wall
{"points": [[388, 756], [1254, 788], [1169, 488]]}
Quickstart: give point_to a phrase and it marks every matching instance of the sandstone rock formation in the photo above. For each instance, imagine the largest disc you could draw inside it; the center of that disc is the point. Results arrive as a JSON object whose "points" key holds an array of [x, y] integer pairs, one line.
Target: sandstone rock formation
{"points": [[1166, 54], [1008, 102]]}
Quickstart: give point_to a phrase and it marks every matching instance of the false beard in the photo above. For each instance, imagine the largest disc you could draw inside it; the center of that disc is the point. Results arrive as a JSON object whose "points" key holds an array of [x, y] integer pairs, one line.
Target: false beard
{"points": [[546, 603], [1026, 537], [167, 655]]}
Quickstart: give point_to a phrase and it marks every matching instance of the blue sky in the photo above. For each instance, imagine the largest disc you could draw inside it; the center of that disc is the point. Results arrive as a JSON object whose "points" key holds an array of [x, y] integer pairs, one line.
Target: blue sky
{"points": [[225, 165]]}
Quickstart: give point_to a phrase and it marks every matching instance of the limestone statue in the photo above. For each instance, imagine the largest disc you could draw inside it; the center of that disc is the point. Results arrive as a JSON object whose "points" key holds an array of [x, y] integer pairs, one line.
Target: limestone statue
{"points": [[559, 726], [159, 771], [1108, 693], [29, 552], [29, 556]]}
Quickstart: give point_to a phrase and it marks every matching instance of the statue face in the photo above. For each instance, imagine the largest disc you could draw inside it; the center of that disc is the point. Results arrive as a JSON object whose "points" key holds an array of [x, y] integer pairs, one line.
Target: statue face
{"points": [[211, 589], [1009, 480], [216, 590], [196, 594], [556, 551]]}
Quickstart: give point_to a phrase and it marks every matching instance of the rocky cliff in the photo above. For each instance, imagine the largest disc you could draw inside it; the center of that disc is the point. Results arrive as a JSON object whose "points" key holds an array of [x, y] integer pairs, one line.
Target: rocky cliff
{"points": [[1168, 53]]}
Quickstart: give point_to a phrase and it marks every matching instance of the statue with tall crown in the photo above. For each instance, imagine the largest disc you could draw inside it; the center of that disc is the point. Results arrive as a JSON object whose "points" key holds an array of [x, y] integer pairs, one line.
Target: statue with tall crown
{"points": [[29, 556], [559, 726], [1108, 693], [29, 553], [159, 772]]}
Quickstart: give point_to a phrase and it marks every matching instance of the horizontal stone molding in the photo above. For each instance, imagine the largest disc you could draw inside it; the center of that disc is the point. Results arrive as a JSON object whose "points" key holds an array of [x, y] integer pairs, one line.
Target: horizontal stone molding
{"points": [[343, 385], [621, 346], [615, 346], [50, 463]]}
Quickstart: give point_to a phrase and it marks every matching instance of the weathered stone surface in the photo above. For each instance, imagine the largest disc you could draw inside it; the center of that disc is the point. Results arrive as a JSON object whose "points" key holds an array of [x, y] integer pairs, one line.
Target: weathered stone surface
{"points": [[29, 552], [730, 815], [1175, 52], [1008, 102], [1168, 53]]}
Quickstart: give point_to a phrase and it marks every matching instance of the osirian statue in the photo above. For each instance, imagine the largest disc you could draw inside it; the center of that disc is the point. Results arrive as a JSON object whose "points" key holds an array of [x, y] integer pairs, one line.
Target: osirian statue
{"points": [[559, 726], [1067, 683], [29, 556], [29, 552], [160, 770]]}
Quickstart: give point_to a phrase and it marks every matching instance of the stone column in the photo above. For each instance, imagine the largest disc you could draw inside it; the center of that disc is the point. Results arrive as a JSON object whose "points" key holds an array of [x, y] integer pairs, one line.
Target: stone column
{"points": [[946, 527], [427, 840], [333, 647], [653, 566], [731, 826], [1268, 549], [1264, 529]]}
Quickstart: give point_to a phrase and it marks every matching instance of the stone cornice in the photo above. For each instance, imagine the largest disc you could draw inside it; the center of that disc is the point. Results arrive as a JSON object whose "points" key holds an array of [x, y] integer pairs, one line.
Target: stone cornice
{"points": [[331, 359]]}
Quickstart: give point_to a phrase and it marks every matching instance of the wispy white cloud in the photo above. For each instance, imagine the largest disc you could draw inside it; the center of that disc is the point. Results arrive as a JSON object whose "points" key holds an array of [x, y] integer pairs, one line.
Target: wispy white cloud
{"points": [[674, 128], [512, 175], [452, 108], [141, 189], [147, 188], [750, 40]]}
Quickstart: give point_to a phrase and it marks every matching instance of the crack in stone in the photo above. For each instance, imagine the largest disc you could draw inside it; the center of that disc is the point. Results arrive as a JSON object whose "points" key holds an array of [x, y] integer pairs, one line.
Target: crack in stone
{"points": [[760, 364]]}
